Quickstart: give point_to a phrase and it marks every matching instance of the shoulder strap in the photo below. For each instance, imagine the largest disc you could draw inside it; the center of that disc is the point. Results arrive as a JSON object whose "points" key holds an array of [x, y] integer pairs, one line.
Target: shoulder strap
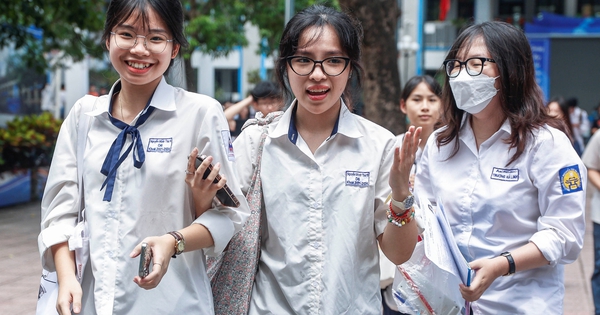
{"points": [[260, 120]]}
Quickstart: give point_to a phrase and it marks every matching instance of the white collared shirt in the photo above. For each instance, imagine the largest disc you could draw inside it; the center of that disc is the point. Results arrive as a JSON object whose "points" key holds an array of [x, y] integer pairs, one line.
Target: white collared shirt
{"points": [[493, 207], [591, 159], [323, 213], [149, 201]]}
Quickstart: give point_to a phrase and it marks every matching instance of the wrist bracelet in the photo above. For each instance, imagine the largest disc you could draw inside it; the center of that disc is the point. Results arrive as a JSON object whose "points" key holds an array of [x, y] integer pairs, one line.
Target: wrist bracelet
{"points": [[511, 263], [402, 219]]}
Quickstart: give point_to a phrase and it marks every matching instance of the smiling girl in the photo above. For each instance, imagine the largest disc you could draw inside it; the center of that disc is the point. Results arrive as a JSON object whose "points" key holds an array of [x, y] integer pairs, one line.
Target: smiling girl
{"points": [[131, 196]]}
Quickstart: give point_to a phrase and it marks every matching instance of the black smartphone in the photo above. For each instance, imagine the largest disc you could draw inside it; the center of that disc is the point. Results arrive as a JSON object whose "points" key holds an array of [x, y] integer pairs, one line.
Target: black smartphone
{"points": [[224, 195], [145, 258]]}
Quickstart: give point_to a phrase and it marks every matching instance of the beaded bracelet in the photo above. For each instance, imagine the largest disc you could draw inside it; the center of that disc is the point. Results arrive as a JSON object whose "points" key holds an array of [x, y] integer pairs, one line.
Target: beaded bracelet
{"points": [[402, 219]]}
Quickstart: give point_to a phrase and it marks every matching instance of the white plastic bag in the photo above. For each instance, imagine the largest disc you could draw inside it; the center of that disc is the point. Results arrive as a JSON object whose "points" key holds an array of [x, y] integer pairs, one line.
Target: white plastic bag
{"points": [[420, 285]]}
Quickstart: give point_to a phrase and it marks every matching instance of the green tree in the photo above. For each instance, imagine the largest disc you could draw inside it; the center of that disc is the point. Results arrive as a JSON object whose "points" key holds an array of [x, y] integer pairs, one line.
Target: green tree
{"points": [[67, 25]]}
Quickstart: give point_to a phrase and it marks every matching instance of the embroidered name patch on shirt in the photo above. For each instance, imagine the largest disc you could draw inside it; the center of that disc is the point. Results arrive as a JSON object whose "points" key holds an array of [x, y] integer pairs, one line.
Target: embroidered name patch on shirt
{"points": [[570, 179], [357, 179], [505, 174], [160, 145]]}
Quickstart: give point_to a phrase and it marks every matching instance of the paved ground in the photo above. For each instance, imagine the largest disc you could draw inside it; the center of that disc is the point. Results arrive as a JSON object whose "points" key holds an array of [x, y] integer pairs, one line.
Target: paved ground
{"points": [[20, 265]]}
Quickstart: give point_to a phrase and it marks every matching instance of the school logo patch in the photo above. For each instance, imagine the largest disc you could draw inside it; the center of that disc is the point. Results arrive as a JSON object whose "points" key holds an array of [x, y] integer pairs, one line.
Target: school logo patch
{"points": [[570, 179]]}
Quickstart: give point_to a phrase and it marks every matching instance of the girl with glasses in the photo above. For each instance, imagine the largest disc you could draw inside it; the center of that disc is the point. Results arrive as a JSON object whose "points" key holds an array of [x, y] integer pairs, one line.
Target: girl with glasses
{"points": [[130, 197], [509, 180], [326, 174]]}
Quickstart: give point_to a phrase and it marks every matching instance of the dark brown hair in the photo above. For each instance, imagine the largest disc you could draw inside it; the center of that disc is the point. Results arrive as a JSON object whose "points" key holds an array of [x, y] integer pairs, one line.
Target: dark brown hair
{"points": [[521, 98]]}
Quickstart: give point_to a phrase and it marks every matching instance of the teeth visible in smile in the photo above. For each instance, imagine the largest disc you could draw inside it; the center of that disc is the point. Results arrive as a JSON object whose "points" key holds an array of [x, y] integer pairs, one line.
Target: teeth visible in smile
{"points": [[318, 91], [138, 65]]}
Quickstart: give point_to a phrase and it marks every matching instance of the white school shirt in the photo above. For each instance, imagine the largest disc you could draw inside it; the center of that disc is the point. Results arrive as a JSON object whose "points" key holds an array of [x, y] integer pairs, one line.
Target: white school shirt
{"points": [[322, 216], [591, 159], [493, 207], [150, 201]]}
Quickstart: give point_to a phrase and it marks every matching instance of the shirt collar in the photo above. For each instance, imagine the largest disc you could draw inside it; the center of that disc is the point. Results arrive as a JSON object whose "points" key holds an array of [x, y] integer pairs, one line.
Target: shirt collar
{"points": [[163, 98], [346, 124], [466, 130]]}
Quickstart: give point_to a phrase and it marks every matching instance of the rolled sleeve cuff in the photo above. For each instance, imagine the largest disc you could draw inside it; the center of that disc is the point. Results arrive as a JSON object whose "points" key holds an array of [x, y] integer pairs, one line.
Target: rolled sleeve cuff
{"points": [[551, 247], [48, 237], [221, 229]]}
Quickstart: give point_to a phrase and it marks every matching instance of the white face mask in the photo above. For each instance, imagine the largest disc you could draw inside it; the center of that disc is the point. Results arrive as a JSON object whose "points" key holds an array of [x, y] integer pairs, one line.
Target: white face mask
{"points": [[472, 94]]}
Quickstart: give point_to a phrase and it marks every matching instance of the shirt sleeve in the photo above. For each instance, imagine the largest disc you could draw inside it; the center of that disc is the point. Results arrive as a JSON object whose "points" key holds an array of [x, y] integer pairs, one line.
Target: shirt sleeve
{"points": [[591, 155], [214, 140], [560, 177], [246, 145], [59, 209]]}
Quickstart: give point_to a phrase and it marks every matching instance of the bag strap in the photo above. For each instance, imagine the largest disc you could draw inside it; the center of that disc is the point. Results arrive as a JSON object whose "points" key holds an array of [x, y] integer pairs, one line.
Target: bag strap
{"points": [[82, 131]]}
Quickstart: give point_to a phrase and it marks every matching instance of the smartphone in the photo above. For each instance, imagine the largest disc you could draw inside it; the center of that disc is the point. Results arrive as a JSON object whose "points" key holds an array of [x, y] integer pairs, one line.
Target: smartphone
{"points": [[224, 195], [145, 258]]}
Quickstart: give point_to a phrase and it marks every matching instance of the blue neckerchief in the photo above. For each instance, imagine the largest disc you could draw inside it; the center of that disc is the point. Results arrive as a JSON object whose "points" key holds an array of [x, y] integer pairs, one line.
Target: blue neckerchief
{"points": [[112, 161]]}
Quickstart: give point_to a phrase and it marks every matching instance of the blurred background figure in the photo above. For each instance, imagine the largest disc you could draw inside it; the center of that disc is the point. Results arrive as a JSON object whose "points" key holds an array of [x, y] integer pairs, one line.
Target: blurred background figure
{"points": [[420, 101], [93, 90], [595, 120], [266, 97], [557, 107], [579, 123]]}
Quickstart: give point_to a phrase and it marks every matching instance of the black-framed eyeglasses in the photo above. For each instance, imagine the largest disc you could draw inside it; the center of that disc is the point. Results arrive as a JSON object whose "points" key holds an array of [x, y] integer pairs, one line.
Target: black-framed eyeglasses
{"points": [[127, 39], [332, 66], [473, 65]]}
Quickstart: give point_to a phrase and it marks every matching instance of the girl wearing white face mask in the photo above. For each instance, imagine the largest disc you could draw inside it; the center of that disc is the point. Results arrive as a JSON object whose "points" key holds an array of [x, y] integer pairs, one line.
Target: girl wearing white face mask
{"points": [[511, 184]]}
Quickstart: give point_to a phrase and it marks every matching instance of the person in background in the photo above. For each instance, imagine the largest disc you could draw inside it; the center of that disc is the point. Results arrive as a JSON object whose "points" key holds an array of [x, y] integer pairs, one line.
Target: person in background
{"points": [[595, 119], [93, 90], [62, 101], [265, 97], [506, 174], [141, 196], [591, 159], [557, 107], [579, 123], [420, 101], [326, 174]]}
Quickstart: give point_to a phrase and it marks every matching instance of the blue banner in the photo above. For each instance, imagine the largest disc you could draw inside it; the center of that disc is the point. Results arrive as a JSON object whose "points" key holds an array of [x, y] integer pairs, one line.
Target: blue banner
{"points": [[540, 47]]}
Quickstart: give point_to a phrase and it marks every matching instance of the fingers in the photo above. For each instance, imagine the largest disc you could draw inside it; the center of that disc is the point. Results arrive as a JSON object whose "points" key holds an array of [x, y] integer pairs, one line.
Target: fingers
{"points": [[191, 163], [136, 251], [77, 302]]}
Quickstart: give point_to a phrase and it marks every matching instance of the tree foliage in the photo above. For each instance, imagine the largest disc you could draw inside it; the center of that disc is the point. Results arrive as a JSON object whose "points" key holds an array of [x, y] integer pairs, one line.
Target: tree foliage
{"points": [[40, 26]]}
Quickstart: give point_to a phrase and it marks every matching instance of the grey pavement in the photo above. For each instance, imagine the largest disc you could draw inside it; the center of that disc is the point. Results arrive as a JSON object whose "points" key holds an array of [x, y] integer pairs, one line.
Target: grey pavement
{"points": [[20, 265]]}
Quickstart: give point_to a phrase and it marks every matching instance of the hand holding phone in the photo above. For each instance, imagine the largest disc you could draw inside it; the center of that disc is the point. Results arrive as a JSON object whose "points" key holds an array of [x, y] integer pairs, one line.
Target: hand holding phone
{"points": [[145, 258], [224, 195]]}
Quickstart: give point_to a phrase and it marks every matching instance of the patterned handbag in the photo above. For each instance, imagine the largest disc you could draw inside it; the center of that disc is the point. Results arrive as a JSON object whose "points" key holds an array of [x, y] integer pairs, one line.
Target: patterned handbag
{"points": [[234, 270]]}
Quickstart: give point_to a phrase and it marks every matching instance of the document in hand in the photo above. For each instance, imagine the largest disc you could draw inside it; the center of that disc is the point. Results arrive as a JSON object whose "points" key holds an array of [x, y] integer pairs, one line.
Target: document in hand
{"points": [[428, 283]]}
